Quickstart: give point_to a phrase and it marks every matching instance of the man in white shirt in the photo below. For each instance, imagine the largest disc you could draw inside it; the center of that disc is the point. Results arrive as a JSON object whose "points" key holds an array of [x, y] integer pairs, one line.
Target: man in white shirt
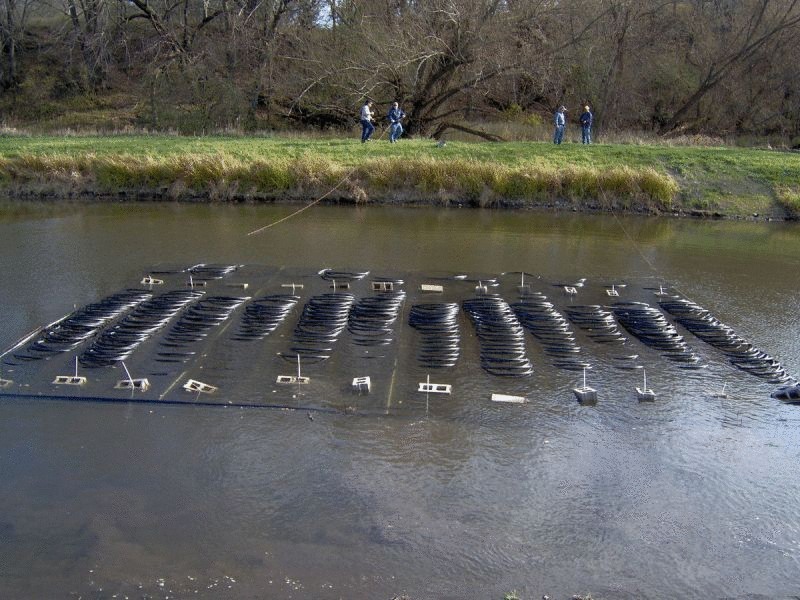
{"points": [[366, 121]]}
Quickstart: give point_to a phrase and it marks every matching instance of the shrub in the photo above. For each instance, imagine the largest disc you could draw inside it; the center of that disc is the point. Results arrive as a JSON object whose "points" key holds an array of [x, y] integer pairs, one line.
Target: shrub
{"points": [[512, 112], [533, 120], [659, 187]]}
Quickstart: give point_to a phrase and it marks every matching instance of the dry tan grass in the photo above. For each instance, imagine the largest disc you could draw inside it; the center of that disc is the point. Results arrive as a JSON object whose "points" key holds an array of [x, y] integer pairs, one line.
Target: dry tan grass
{"points": [[222, 176], [789, 199]]}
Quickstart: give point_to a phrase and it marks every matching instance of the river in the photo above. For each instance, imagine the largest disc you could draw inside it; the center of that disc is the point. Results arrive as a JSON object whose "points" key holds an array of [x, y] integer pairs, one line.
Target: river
{"points": [[440, 497]]}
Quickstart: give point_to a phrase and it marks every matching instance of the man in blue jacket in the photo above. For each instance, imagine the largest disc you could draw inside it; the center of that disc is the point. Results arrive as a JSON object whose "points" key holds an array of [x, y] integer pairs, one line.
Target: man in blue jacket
{"points": [[395, 115], [560, 121], [586, 125]]}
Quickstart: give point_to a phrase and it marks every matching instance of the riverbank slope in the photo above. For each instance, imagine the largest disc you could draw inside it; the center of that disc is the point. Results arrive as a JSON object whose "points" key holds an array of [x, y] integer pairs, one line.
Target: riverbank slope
{"points": [[702, 181]]}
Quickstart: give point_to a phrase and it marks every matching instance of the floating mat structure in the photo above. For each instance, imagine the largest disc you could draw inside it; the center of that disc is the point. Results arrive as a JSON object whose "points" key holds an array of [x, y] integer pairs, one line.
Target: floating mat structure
{"points": [[652, 328], [503, 352], [372, 319], [69, 332], [263, 315], [360, 342], [118, 342], [741, 353], [539, 316], [323, 319], [439, 334]]}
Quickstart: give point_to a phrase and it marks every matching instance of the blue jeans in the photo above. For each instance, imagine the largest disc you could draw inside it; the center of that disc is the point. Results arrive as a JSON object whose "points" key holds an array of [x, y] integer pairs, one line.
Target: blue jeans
{"points": [[586, 134], [366, 129], [559, 134], [395, 131]]}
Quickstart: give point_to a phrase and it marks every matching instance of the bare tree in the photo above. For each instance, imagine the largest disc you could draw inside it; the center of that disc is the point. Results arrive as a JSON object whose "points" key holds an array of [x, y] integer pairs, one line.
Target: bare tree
{"points": [[176, 23], [729, 36], [434, 56], [710, 66], [90, 31], [263, 34]]}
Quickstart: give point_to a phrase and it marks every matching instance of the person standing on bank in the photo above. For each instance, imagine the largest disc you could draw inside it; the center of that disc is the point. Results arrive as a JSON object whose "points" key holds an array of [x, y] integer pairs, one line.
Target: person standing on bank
{"points": [[395, 115], [366, 121], [560, 121], [586, 125]]}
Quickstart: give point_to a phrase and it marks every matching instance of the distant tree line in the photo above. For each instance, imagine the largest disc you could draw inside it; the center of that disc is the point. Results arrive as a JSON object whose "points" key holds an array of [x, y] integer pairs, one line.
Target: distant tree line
{"points": [[719, 67]]}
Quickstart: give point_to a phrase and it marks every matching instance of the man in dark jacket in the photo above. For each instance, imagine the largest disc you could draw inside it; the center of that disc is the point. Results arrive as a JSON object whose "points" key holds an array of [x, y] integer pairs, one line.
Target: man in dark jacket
{"points": [[395, 116], [586, 125]]}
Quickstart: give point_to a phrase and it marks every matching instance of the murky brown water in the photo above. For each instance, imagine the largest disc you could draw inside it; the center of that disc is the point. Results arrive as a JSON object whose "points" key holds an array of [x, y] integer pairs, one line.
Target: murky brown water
{"points": [[692, 495]]}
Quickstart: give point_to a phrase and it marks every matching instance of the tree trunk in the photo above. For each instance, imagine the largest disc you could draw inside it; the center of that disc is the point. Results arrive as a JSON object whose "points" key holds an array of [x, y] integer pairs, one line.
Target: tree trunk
{"points": [[445, 125], [87, 36], [8, 43]]}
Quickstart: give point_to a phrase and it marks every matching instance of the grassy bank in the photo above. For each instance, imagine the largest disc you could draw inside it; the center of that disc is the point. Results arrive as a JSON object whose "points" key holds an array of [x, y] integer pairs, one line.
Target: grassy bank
{"points": [[724, 181]]}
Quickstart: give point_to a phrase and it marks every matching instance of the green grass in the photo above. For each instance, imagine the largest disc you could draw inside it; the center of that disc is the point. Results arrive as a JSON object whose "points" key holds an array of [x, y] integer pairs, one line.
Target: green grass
{"points": [[621, 176]]}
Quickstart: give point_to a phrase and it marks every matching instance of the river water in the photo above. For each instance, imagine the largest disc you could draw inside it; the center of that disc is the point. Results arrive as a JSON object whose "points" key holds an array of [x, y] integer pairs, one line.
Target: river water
{"points": [[447, 497]]}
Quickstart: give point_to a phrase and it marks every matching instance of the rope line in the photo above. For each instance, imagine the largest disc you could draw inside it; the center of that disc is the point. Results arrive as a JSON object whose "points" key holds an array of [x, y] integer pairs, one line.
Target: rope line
{"points": [[315, 202], [297, 212], [639, 251], [636, 247]]}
